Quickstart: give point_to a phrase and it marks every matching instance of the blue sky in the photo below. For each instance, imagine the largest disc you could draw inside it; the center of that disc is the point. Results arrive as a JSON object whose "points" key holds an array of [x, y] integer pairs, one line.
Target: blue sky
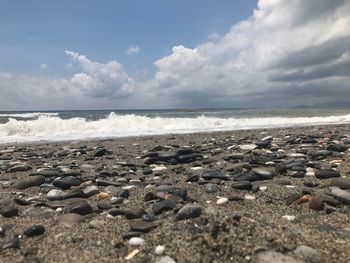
{"points": [[126, 54], [37, 32]]}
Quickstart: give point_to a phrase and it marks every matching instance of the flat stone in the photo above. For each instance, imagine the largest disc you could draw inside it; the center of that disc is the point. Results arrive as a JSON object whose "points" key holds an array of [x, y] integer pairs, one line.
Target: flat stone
{"points": [[325, 174], [166, 259], [66, 182], [189, 211], [342, 195], [308, 254], [56, 194], [18, 168], [242, 185], [292, 198], [9, 211], [70, 219], [167, 156], [36, 230], [211, 188], [248, 147], [342, 183], [221, 201], [82, 208], [136, 241], [211, 174], [163, 205], [12, 243], [91, 190], [48, 172], [274, 257], [141, 226], [29, 181], [262, 172]]}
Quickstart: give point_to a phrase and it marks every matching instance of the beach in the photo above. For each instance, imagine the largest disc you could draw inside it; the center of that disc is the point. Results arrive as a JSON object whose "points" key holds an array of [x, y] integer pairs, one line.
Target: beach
{"points": [[266, 195]]}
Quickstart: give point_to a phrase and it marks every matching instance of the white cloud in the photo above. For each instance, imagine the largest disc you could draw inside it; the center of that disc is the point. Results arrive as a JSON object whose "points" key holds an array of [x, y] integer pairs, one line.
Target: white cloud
{"points": [[44, 66], [286, 53], [133, 50]]}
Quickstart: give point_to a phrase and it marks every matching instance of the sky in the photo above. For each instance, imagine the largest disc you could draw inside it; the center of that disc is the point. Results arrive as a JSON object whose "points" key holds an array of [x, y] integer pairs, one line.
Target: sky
{"points": [[132, 54]]}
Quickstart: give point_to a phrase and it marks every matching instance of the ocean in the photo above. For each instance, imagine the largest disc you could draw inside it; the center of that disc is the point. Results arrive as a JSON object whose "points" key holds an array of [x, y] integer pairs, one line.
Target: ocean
{"points": [[88, 124]]}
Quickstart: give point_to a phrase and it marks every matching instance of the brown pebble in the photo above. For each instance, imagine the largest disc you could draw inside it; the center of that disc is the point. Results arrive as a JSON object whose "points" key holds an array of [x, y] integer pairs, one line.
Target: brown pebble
{"points": [[315, 203], [304, 199]]}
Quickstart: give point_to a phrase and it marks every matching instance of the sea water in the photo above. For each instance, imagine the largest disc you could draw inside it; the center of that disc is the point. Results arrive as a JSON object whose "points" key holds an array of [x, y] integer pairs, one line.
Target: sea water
{"points": [[87, 124]]}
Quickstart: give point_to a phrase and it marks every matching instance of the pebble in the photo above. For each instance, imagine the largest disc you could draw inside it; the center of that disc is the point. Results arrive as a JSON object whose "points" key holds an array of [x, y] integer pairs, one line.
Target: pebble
{"points": [[211, 188], [12, 243], [249, 197], [166, 259], [136, 241], [163, 205], [189, 211], [342, 183], [29, 181], [9, 211], [242, 185], [342, 195], [159, 250], [325, 174], [56, 194], [91, 190], [289, 217], [308, 254], [34, 231], [274, 257], [315, 203], [221, 201]]}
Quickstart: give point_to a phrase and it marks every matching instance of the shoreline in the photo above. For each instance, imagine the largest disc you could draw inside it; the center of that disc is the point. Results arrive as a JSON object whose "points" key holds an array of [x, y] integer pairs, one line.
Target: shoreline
{"points": [[259, 218]]}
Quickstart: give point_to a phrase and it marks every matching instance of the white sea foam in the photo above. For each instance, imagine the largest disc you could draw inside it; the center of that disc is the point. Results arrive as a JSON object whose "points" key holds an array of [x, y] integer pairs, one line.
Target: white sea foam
{"points": [[53, 128], [28, 115]]}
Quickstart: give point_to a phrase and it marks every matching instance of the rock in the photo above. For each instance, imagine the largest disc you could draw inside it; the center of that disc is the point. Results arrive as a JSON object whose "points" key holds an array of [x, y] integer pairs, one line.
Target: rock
{"points": [[189, 211], [81, 208], [91, 190], [141, 226], [159, 250], [166, 259], [274, 257], [315, 203], [70, 219], [221, 201], [29, 181], [265, 174], [55, 194], [167, 156], [342, 195], [292, 198], [210, 174], [18, 168], [34, 231], [9, 211], [136, 241], [241, 185], [248, 147], [308, 254], [342, 183], [211, 188], [163, 205], [12, 243], [66, 182], [337, 148], [100, 152], [325, 174], [186, 158], [48, 172]]}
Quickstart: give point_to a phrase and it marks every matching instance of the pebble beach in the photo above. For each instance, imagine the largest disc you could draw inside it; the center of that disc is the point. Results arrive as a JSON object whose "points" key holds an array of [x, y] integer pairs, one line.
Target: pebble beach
{"points": [[269, 195]]}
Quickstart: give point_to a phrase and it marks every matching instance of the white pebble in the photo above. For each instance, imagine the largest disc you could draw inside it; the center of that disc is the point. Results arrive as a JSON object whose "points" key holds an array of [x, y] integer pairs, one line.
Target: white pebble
{"points": [[196, 168], [159, 250], [262, 188], [136, 241], [249, 197], [289, 217], [221, 201]]}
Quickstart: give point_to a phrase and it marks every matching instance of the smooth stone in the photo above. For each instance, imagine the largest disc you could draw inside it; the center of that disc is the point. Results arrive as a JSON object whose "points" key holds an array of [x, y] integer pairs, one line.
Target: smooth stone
{"points": [[136, 241], [262, 172], [167, 156], [163, 205], [315, 203], [48, 172], [337, 148], [308, 254], [221, 201], [34, 231], [342, 195], [330, 200], [210, 174], [70, 219], [129, 213], [104, 205], [82, 208], [29, 181], [141, 226], [9, 211], [166, 259], [342, 183], [18, 168], [189, 211], [102, 182], [91, 190], [117, 200], [242, 185], [12, 243], [56, 194], [325, 174], [248, 147], [159, 250], [100, 152], [66, 183], [274, 257], [292, 198], [211, 188], [189, 157]]}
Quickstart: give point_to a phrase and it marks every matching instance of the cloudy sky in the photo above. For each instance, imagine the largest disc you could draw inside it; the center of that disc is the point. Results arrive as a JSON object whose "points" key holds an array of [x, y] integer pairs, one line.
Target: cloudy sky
{"points": [[124, 54]]}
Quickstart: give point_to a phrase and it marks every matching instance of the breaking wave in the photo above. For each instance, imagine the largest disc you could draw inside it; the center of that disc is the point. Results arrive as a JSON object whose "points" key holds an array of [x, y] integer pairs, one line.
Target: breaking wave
{"points": [[50, 127]]}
